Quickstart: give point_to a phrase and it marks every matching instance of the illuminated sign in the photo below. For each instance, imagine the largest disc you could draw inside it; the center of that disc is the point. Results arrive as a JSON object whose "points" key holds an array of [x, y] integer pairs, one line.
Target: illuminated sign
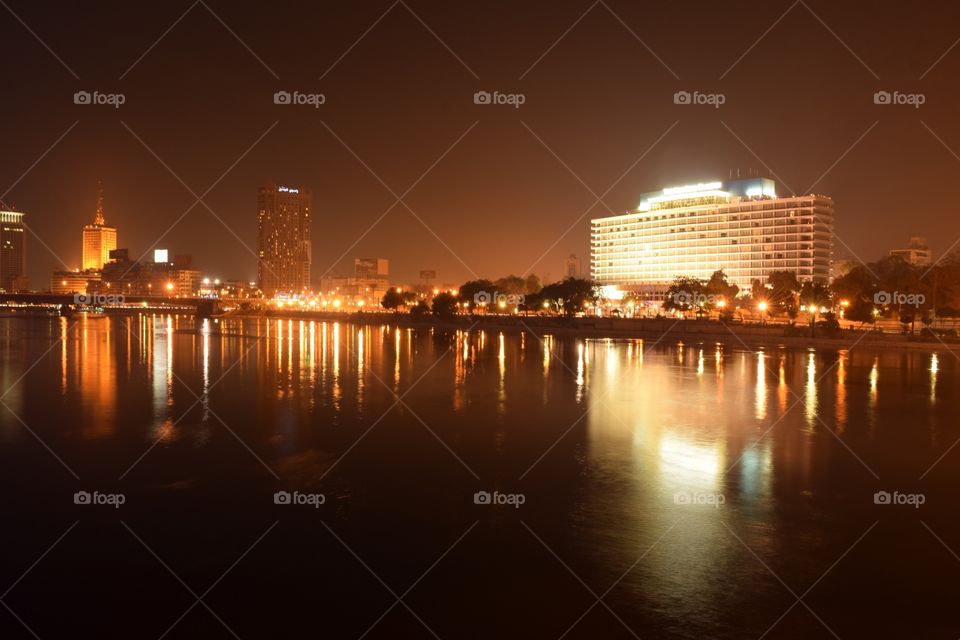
{"points": [[760, 191], [160, 255], [692, 188], [287, 190]]}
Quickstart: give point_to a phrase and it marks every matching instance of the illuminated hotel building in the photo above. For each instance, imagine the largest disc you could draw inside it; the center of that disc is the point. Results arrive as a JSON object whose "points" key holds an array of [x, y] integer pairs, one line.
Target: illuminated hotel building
{"points": [[98, 239], [13, 251], [283, 239], [740, 226]]}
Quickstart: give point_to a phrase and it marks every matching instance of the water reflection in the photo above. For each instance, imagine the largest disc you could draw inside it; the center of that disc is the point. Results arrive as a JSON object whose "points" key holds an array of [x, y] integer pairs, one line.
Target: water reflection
{"points": [[627, 427], [319, 364], [934, 368], [810, 396], [760, 404]]}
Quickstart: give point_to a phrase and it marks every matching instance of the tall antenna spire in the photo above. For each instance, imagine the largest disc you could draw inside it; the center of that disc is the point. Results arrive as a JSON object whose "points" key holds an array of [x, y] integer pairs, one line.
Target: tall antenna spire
{"points": [[98, 218]]}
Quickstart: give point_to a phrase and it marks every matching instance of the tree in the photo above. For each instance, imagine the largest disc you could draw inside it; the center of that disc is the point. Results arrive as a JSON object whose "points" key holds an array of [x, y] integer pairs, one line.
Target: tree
{"points": [[720, 293], [477, 292], [392, 300], [783, 291], [514, 285], [684, 294], [861, 310], [532, 284], [814, 295], [444, 304], [570, 295], [420, 309], [531, 302]]}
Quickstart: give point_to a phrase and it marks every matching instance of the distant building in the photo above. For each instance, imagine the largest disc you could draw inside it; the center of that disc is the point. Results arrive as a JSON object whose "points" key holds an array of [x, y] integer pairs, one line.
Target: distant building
{"points": [[13, 252], [371, 267], [122, 275], [740, 226], [284, 216], [571, 266], [917, 253], [370, 280], [74, 281], [98, 239]]}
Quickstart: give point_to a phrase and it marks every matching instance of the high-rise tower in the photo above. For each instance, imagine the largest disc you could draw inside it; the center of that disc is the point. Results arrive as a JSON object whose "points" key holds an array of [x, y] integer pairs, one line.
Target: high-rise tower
{"points": [[98, 239], [13, 251], [283, 240]]}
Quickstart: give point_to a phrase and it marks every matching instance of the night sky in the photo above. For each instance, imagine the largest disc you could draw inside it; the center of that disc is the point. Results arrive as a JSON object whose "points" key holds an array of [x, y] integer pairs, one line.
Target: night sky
{"points": [[495, 199]]}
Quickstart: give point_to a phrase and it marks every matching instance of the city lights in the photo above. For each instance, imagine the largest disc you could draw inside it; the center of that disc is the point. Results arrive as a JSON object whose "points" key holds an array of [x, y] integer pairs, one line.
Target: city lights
{"points": [[514, 314]]}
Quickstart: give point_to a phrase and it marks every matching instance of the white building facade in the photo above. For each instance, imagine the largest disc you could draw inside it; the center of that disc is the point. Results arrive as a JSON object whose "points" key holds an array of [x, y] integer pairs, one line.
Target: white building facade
{"points": [[740, 226]]}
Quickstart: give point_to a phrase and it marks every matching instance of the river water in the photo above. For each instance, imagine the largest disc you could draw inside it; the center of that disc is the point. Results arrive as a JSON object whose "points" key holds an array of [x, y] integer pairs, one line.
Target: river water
{"points": [[468, 484]]}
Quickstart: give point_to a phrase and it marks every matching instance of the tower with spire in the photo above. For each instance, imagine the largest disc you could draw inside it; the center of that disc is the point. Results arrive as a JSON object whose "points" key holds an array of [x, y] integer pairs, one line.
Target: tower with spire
{"points": [[98, 239], [98, 218]]}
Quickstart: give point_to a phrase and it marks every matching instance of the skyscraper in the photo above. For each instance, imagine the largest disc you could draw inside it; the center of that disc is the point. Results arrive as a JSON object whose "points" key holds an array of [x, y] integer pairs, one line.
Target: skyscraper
{"points": [[283, 239], [13, 251], [98, 239]]}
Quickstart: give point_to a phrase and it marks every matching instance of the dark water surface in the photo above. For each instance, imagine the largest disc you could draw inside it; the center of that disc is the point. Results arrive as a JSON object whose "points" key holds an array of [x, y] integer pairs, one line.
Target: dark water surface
{"points": [[687, 491]]}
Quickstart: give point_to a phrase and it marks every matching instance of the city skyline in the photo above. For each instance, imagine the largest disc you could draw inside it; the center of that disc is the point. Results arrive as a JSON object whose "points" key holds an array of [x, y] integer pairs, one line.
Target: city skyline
{"points": [[839, 255], [516, 168], [413, 318]]}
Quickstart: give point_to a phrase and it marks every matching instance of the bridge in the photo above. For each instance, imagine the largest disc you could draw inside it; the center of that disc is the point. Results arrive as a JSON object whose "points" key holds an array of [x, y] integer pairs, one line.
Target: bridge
{"points": [[68, 303]]}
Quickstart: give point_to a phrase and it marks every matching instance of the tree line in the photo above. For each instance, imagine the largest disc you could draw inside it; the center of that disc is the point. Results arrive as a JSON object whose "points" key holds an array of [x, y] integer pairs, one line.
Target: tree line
{"points": [[525, 294]]}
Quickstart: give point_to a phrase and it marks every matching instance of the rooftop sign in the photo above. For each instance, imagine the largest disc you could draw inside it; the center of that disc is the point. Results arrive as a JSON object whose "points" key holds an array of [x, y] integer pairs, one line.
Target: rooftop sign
{"points": [[692, 188]]}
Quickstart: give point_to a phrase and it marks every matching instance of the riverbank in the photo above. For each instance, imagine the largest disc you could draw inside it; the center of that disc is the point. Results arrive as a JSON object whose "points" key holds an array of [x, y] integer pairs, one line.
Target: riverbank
{"points": [[657, 329]]}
